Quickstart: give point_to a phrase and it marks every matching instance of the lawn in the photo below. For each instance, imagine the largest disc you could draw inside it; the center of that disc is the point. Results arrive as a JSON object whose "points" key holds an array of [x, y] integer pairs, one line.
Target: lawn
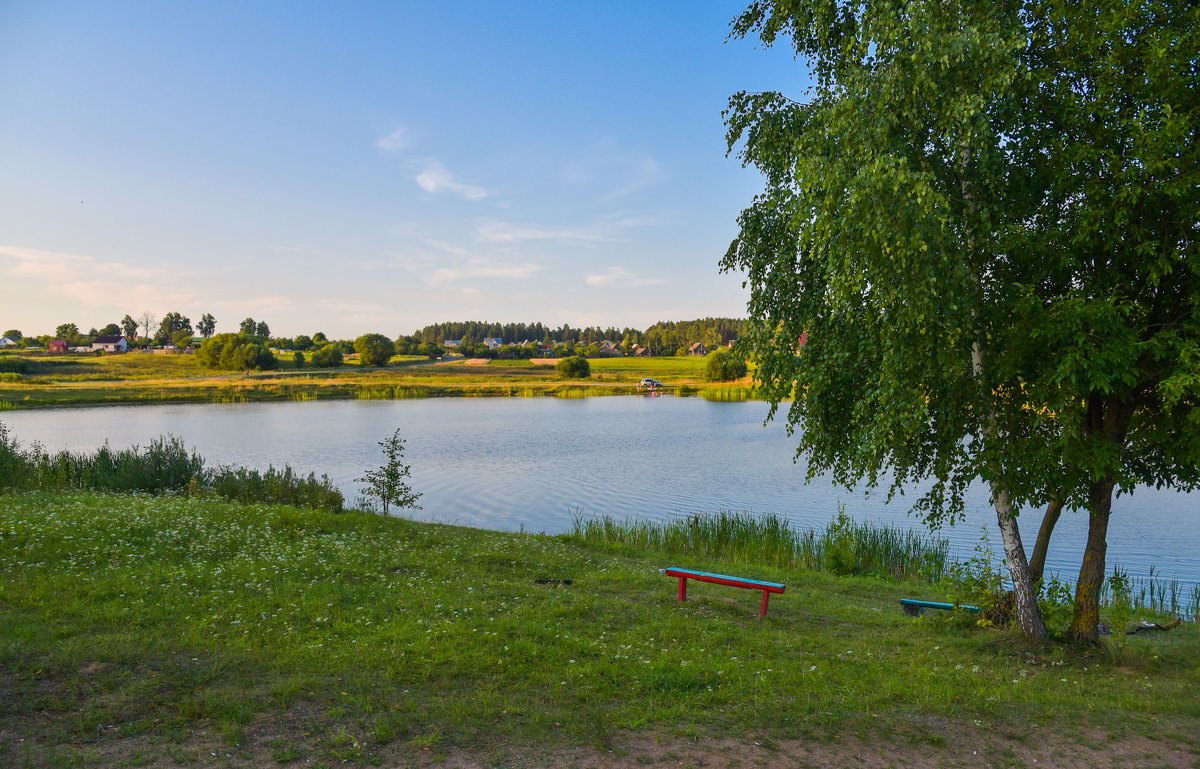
{"points": [[170, 631]]}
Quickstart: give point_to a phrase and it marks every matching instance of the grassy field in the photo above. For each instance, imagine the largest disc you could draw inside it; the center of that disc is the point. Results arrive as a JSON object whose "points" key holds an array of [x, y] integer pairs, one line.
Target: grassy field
{"points": [[176, 631], [146, 378]]}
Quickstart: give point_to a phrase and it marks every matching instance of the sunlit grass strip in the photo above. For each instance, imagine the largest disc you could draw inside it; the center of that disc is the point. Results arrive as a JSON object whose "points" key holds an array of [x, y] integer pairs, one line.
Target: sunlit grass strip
{"points": [[844, 546]]}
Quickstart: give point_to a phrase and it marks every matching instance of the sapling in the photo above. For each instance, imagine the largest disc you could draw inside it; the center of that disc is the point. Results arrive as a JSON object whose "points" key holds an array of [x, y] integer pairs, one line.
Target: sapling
{"points": [[386, 484]]}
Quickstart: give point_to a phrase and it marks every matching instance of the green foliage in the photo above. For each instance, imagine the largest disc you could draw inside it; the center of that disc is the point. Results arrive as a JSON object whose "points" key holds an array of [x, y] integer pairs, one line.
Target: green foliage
{"points": [[329, 356], [386, 485], [172, 324], [298, 359], [374, 349], [207, 325], [724, 365], [840, 556], [977, 581], [236, 352], [278, 486], [13, 334], [69, 332], [573, 367]]}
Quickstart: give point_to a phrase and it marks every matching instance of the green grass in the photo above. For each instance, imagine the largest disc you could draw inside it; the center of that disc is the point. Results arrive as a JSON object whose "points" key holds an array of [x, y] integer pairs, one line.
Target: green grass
{"points": [[192, 625], [148, 378]]}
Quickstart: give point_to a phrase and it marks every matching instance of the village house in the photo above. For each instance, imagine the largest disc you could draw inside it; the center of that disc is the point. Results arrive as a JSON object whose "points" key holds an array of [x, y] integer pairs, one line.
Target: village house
{"points": [[59, 346], [493, 343], [698, 349], [640, 352], [609, 349], [6, 341], [110, 344]]}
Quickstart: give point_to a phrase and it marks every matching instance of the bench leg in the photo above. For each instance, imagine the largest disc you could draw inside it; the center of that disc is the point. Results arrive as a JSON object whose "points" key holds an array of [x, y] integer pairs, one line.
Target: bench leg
{"points": [[682, 589], [766, 597]]}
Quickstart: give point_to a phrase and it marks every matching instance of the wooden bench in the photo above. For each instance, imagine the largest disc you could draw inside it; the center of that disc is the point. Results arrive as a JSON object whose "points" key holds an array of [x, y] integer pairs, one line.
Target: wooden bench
{"points": [[724, 579], [913, 607]]}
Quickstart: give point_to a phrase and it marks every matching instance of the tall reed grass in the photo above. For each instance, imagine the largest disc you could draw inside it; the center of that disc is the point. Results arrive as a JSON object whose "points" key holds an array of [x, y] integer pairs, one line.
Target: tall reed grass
{"points": [[843, 546], [163, 466], [1152, 592]]}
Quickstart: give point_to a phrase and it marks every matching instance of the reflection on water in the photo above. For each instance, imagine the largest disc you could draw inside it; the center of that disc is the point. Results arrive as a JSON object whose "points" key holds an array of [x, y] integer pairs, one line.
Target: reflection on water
{"points": [[507, 463]]}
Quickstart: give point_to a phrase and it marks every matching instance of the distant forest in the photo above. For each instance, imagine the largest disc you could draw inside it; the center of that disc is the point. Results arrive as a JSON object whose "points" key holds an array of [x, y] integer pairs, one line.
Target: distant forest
{"points": [[665, 338]]}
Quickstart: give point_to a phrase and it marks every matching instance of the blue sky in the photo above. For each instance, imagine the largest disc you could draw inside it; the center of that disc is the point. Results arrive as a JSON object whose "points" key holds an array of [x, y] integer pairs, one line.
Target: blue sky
{"points": [[371, 166]]}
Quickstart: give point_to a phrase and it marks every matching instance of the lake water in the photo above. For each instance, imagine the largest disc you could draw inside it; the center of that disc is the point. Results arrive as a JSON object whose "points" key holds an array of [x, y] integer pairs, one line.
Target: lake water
{"points": [[508, 463]]}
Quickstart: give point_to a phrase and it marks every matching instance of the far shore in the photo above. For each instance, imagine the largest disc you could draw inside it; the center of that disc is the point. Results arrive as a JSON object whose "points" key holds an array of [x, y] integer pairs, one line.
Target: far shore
{"points": [[142, 379]]}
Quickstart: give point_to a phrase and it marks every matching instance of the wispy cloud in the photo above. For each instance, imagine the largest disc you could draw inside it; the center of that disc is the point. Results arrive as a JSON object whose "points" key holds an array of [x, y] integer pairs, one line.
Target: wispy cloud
{"points": [[619, 276], [504, 232], [477, 268], [396, 140], [615, 170], [602, 229], [435, 178], [61, 265], [103, 293]]}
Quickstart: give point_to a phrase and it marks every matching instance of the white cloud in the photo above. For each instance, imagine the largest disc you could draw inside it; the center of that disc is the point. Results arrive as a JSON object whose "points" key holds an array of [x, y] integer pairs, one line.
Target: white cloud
{"points": [[622, 277], [436, 178], [396, 140]]}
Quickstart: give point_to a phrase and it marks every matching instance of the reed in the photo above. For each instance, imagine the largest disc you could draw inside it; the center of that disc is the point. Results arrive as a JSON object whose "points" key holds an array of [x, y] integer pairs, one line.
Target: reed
{"points": [[843, 547], [727, 394], [1153, 593]]}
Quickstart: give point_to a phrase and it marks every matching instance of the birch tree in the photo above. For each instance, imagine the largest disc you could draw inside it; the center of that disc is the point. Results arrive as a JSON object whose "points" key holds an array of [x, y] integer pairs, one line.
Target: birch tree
{"points": [[940, 255]]}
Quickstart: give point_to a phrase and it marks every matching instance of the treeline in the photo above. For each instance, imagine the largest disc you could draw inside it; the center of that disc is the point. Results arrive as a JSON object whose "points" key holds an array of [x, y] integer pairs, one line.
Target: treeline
{"points": [[664, 338]]}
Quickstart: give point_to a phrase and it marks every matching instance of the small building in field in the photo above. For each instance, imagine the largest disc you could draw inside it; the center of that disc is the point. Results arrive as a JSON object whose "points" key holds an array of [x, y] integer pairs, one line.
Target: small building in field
{"points": [[59, 346], [110, 344], [8, 341], [493, 343], [698, 349], [640, 352]]}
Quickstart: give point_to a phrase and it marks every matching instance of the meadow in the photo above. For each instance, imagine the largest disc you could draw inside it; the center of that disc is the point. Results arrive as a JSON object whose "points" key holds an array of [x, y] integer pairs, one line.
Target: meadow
{"points": [[181, 630], [32, 382]]}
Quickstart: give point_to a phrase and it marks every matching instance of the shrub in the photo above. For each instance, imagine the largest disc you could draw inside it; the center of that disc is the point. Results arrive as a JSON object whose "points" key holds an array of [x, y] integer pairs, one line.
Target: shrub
{"points": [[234, 352], [574, 367], [724, 365], [374, 349], [329, 356]]}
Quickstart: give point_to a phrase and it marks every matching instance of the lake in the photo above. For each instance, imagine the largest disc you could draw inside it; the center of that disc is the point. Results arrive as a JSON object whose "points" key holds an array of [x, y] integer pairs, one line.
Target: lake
{"points": [[512, 463]]}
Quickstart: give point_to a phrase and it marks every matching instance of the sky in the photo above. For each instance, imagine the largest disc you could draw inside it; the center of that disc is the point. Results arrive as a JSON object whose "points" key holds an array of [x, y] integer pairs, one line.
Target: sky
{"points": [[372, 167]]}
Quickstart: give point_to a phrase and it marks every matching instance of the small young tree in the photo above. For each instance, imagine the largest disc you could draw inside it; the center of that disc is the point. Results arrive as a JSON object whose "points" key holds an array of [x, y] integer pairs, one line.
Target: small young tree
{"points": [[386, 484]]}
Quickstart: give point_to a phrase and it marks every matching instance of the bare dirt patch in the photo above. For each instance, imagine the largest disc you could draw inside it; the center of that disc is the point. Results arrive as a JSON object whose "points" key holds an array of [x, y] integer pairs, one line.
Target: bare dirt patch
{"points": [[942, 745]]}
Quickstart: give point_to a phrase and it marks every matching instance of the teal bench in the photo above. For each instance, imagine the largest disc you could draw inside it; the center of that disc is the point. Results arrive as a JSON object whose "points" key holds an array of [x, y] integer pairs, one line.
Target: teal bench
{"points": [[913, 607]]}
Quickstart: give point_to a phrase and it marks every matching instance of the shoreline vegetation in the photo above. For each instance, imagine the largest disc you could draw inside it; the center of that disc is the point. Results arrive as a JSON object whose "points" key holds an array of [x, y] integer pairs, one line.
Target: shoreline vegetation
{"points": [[160, 612], [141, 378]]}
